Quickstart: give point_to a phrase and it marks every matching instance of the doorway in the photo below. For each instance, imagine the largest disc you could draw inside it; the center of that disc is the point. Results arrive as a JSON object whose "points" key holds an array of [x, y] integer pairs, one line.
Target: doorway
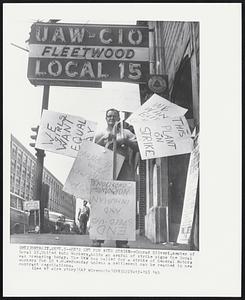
{"points": [[178, 165]]}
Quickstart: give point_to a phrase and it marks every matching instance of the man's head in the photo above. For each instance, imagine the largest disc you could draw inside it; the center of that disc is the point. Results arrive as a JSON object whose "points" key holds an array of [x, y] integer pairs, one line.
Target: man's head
{"points": [[85, 202], [112, 116]]}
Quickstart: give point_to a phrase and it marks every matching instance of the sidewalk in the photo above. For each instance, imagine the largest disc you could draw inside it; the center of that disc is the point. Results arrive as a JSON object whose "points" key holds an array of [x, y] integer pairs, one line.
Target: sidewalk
{"points": [[84, 240]]}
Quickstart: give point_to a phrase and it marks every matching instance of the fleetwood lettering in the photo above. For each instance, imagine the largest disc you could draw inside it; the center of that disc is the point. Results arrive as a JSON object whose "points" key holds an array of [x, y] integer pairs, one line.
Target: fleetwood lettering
{"points": [[74, 53]]}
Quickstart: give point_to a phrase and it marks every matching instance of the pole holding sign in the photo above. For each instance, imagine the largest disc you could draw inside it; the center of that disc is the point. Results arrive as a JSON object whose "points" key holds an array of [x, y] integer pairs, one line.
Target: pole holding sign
{"points": [[114, 144], [40, 154]]}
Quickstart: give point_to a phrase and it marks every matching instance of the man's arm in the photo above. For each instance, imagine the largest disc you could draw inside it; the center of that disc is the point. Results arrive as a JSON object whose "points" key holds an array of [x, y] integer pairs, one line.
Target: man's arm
{"points": [[88, 211], [79, 214], [101, 139], [129, 140]]}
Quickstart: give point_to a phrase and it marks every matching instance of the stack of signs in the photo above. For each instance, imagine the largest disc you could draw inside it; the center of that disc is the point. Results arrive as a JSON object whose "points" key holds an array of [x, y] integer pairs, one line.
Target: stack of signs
{"points": [[92, 162], [161, 129], [112, 210], [62, 133]]}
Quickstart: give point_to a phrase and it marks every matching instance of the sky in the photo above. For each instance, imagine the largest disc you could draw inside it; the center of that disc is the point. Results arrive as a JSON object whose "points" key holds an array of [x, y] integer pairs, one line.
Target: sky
{"points": [[23, 101]]}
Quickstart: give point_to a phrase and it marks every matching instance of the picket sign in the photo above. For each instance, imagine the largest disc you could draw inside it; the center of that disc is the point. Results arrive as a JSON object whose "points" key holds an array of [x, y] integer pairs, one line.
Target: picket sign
{"points": [[112, 210], [190, 196], [162, 138], [62, 133], [92, 162], [156, 108]]}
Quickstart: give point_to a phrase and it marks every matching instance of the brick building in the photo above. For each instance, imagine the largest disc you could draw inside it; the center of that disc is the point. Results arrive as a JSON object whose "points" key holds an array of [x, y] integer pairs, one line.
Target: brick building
{"points": [[174, 52], [22, 174]]}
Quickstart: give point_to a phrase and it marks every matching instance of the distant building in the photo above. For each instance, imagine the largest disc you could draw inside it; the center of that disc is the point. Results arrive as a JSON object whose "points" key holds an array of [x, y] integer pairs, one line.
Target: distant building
{"points": [[23, 165]]}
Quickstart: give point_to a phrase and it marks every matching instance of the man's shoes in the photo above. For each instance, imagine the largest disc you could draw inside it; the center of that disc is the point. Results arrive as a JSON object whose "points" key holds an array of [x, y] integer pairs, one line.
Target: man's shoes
{"points": [[122, 245], [96, 244]]}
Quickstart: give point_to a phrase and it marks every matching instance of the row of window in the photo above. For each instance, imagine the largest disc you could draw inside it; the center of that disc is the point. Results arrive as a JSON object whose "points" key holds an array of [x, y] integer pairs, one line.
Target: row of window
{"points": [[21, 156], [22, 180], [16, 202]]}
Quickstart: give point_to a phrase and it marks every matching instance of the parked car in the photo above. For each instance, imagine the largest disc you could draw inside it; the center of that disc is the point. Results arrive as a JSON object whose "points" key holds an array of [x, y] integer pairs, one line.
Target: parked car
{"points": [[19, 221], [57, 223], [71, 224]]}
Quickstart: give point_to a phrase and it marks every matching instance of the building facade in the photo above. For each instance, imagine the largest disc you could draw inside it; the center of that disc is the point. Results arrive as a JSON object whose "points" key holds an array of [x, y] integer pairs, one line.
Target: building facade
{"points": [[22, 181], [174, 53]]}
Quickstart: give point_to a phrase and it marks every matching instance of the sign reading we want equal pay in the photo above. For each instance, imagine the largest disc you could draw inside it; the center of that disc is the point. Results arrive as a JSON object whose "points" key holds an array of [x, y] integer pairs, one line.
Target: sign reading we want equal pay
{"points": [[71, 54], [62, 133]]}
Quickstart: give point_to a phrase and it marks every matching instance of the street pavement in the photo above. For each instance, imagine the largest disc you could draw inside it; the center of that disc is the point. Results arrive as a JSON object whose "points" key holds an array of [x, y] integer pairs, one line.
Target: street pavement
{"points": [[84, 240]]}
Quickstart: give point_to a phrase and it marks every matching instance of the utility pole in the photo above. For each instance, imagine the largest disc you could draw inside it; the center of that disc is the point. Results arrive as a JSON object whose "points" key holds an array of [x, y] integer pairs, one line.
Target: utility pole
{"points": [[40, 154]]}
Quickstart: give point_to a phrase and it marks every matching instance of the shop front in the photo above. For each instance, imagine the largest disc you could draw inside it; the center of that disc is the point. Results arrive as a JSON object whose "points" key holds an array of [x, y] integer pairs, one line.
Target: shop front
{"points": [[174, 52]]}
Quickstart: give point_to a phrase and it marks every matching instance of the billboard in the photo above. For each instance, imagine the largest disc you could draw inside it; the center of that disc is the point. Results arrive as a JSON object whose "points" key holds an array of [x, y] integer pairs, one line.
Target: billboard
{"points": [[74, 54]]}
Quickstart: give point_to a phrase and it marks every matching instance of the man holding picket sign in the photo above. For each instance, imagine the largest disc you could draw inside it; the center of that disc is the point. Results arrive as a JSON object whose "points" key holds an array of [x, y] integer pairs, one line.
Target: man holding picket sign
{"points": [[121, 141]]}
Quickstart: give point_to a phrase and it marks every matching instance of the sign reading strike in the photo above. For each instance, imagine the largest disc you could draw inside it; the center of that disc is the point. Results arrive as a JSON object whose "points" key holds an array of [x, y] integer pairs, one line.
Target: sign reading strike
{"points": [[190, 197], [156, 108], [92, 161], [62, 133], [112, 210], [69, 54], [161, 138]]}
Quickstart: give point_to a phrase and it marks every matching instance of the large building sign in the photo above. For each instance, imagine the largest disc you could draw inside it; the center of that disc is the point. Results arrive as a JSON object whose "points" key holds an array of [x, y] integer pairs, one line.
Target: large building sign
{"points": [[71, 54]]}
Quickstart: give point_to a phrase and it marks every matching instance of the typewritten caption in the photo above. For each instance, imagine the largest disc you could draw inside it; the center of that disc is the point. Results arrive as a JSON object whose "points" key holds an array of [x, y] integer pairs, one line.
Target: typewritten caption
{"points": [[107, 260]]}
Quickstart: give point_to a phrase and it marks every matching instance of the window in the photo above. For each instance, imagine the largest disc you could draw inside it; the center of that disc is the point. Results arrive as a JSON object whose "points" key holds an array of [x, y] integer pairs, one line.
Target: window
{"points": [[33, 166], [19, 156], [23, 171], [17, 180], [18, 168], [24, 159], [13, 201], [13, 165], [22, 183], [19, 204], [14, 150]]}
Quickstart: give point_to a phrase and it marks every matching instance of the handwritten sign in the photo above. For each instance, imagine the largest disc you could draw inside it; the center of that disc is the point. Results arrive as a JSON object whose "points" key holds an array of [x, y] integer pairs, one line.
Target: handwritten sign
{"points": [[112, 210], [62, 133], [156, 108], [92, 162], [161, 138], [190, 197]]}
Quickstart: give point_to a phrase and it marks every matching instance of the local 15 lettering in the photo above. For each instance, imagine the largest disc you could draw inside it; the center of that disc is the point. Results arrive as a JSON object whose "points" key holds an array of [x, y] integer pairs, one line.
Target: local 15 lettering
{"points": [[85, 69]]}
